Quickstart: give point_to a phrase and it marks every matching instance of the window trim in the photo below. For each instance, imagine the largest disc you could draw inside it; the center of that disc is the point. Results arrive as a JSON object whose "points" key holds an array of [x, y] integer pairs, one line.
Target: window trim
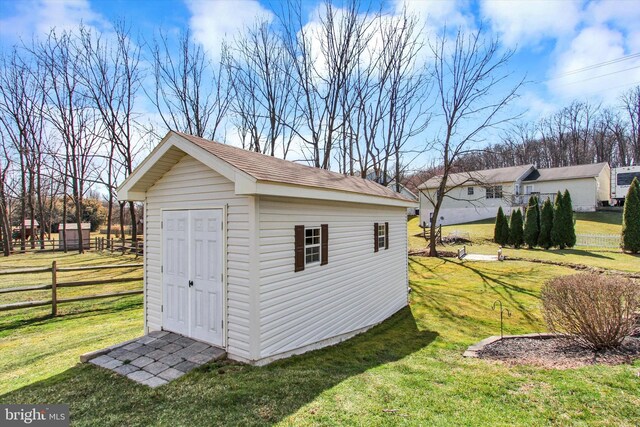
{"points": [[313, 245], [470, 191]]}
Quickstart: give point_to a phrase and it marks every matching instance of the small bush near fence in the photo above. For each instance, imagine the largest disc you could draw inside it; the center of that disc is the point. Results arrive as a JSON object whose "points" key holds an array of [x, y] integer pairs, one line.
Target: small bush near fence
{"points": [[596, 310]]}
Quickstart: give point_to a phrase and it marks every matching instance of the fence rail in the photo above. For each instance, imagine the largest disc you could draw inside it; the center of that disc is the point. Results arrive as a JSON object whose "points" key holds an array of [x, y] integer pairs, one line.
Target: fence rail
{"points": [[54, 285], [94, 243], [598, 240]]}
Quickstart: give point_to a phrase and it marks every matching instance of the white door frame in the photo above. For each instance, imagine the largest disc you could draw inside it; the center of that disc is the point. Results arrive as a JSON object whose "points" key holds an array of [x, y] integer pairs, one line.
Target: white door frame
{"points": [[225, 299]]}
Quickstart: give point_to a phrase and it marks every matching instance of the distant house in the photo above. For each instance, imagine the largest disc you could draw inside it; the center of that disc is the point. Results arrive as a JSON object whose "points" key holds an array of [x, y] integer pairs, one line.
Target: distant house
{"points": [[29, 229], [477, 195], [261, 256], [408, 194]]}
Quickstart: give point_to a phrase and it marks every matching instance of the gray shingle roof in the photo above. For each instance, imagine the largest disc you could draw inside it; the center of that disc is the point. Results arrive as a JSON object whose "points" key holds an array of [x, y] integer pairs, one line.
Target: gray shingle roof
{"points": [[271, 169], [488, 176], [566, 172]]}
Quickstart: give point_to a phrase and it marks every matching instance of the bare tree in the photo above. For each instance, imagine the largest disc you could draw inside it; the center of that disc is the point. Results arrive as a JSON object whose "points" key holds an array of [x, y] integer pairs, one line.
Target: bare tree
{"points": [[112, 77], [265, 97], [190, 94], [469, 73], [631, 105], [68, 110]]}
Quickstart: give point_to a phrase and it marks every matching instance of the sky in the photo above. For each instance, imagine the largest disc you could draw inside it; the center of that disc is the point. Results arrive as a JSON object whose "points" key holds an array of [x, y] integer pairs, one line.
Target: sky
{"points": [[586, 50]]}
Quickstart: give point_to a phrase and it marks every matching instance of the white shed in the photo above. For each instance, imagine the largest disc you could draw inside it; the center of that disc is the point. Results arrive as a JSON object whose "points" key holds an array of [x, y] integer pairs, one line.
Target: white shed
{"points": [[261, 256]]}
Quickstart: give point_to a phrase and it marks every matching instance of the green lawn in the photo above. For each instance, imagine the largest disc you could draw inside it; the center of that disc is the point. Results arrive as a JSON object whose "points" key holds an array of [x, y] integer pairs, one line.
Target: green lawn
{"points": [[481, 235], [35, 346], [409, 370]]}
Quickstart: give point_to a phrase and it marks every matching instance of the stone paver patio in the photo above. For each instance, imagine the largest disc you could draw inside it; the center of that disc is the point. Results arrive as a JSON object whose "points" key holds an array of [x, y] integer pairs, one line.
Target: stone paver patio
{"points": [[155, 359]]}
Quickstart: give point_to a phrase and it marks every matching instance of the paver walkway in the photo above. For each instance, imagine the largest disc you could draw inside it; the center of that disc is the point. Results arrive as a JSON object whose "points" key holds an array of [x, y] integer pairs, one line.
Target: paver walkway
{"points": [[157, 358]]}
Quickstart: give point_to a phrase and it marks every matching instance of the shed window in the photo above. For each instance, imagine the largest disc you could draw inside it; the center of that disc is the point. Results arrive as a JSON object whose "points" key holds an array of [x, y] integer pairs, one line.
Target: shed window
{"points": [[380, 236], [470, 191], [311, 246]]}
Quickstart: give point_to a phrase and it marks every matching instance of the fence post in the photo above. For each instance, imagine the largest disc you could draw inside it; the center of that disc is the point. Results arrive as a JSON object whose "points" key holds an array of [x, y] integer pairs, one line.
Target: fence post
{"points": [[54, 283]]}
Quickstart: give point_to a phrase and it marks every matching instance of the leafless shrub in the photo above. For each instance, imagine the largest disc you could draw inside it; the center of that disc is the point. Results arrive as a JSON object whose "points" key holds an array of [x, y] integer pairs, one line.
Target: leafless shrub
{"points": [[597, 310]]}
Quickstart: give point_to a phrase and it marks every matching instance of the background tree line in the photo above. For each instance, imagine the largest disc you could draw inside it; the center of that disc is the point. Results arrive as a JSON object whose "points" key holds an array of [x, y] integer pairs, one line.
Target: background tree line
{"points": [[580, 133]]}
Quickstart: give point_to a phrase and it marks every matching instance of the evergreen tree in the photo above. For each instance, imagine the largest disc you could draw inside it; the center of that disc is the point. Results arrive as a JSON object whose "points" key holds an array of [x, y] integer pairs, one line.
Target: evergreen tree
{"points": [[570, 232], [546, 224], [557, 232], [501, 230], [631, 219], [532, 223], [515, 228]]}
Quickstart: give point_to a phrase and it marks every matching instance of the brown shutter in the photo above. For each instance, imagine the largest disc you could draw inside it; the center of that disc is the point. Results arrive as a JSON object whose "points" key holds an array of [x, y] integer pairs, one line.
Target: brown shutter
{"points": [[299, 247], [386, 235], [375, 237], [324, 244]]}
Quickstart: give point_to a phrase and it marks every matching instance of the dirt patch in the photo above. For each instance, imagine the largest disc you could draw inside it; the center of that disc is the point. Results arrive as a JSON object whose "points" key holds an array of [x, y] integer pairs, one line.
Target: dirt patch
{"points": [[557, 352], [425, 253], [579, 267]]}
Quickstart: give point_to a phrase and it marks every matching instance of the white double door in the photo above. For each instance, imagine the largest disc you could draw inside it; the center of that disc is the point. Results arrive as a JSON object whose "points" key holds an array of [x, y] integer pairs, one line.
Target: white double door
{"points": [[192, 274]]}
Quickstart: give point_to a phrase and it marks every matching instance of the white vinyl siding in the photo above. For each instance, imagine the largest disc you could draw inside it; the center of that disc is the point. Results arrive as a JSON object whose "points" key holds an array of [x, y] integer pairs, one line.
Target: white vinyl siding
{"points": [[191, 185], [356, 289]]}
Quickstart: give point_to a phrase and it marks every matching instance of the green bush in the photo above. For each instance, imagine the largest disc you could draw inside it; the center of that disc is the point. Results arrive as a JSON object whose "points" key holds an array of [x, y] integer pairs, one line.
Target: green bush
{"points": [[570, 221], [515, 229], [546, 224], [563, 232], [532, 223], [631, 219], [597, 310], [501, 229]]}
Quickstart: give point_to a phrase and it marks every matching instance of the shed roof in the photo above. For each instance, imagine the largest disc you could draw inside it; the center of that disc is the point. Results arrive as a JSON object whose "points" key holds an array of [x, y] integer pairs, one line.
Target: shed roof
{"points": [[254, 172], [566, 172], [487, 176], [74, 226]]}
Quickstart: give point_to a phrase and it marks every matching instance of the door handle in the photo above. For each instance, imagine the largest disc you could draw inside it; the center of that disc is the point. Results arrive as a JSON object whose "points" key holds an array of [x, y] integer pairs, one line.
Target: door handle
{"points": [[190, 283]]}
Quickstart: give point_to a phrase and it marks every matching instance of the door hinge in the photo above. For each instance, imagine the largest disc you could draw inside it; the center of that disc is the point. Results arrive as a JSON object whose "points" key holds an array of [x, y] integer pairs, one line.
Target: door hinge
{"points": [[221, 225], [162, 309], [222, 324], [222, 277], [161, 225], [161, 269]]}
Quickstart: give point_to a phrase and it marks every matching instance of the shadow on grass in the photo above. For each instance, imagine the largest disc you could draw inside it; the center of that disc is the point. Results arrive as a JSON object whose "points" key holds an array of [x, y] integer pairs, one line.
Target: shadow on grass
{"points": [[9, 323], [501, 287], [578, 252], [227, 393]]}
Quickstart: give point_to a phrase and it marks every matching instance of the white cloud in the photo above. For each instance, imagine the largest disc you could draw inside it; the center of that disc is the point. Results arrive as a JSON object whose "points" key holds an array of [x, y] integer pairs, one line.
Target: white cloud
{"points": [[584, 68], [213, 21], [529, 22], [37, 17], [437, 13]]}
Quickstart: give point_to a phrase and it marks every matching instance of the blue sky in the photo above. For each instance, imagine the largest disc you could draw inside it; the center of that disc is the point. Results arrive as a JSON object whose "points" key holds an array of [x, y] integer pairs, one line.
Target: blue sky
{"points": [[584, 50]]}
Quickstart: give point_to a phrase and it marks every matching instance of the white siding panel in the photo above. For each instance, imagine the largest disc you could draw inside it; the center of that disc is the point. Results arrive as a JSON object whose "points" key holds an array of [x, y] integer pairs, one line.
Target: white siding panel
{"points": [[356, 289], [187, 185]]}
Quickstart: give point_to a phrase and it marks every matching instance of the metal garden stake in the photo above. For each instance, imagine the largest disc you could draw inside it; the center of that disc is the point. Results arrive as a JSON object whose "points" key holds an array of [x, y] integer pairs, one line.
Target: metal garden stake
{"points": [[502, 310]]}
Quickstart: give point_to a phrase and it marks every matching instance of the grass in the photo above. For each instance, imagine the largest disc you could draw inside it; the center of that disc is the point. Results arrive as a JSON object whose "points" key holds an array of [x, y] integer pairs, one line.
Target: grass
{"points": [[481, 235], [408, 370], [36, 346]]}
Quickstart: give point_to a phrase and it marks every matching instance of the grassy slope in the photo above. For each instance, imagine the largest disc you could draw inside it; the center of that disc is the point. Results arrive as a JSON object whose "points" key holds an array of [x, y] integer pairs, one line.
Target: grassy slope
{"points": [[34, 346], [481, 235], [411, 365]]}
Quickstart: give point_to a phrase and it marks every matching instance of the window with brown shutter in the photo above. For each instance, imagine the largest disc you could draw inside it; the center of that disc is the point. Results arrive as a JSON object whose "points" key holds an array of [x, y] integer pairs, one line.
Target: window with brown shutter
{"points": [[375, 237], [311, 246], [299, 248]]}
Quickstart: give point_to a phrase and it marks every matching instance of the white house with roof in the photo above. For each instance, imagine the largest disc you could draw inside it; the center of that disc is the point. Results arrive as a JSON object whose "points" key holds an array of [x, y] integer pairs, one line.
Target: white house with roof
{"points": [[261, 256], [476, 195]]}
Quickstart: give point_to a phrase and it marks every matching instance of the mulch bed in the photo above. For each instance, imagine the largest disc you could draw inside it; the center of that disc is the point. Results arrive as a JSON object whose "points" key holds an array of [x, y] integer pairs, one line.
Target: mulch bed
{"points": [[558, 352]]}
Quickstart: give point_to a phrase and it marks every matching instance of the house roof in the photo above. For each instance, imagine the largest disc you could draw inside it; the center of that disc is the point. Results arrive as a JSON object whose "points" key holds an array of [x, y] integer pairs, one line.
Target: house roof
{"points": [[566, 172], [255, 173], [487, 176]]}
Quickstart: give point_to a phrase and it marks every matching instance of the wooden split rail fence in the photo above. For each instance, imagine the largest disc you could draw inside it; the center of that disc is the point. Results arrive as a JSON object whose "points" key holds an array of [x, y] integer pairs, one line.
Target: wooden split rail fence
{"points": [[95, 243], [55, 285]]}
